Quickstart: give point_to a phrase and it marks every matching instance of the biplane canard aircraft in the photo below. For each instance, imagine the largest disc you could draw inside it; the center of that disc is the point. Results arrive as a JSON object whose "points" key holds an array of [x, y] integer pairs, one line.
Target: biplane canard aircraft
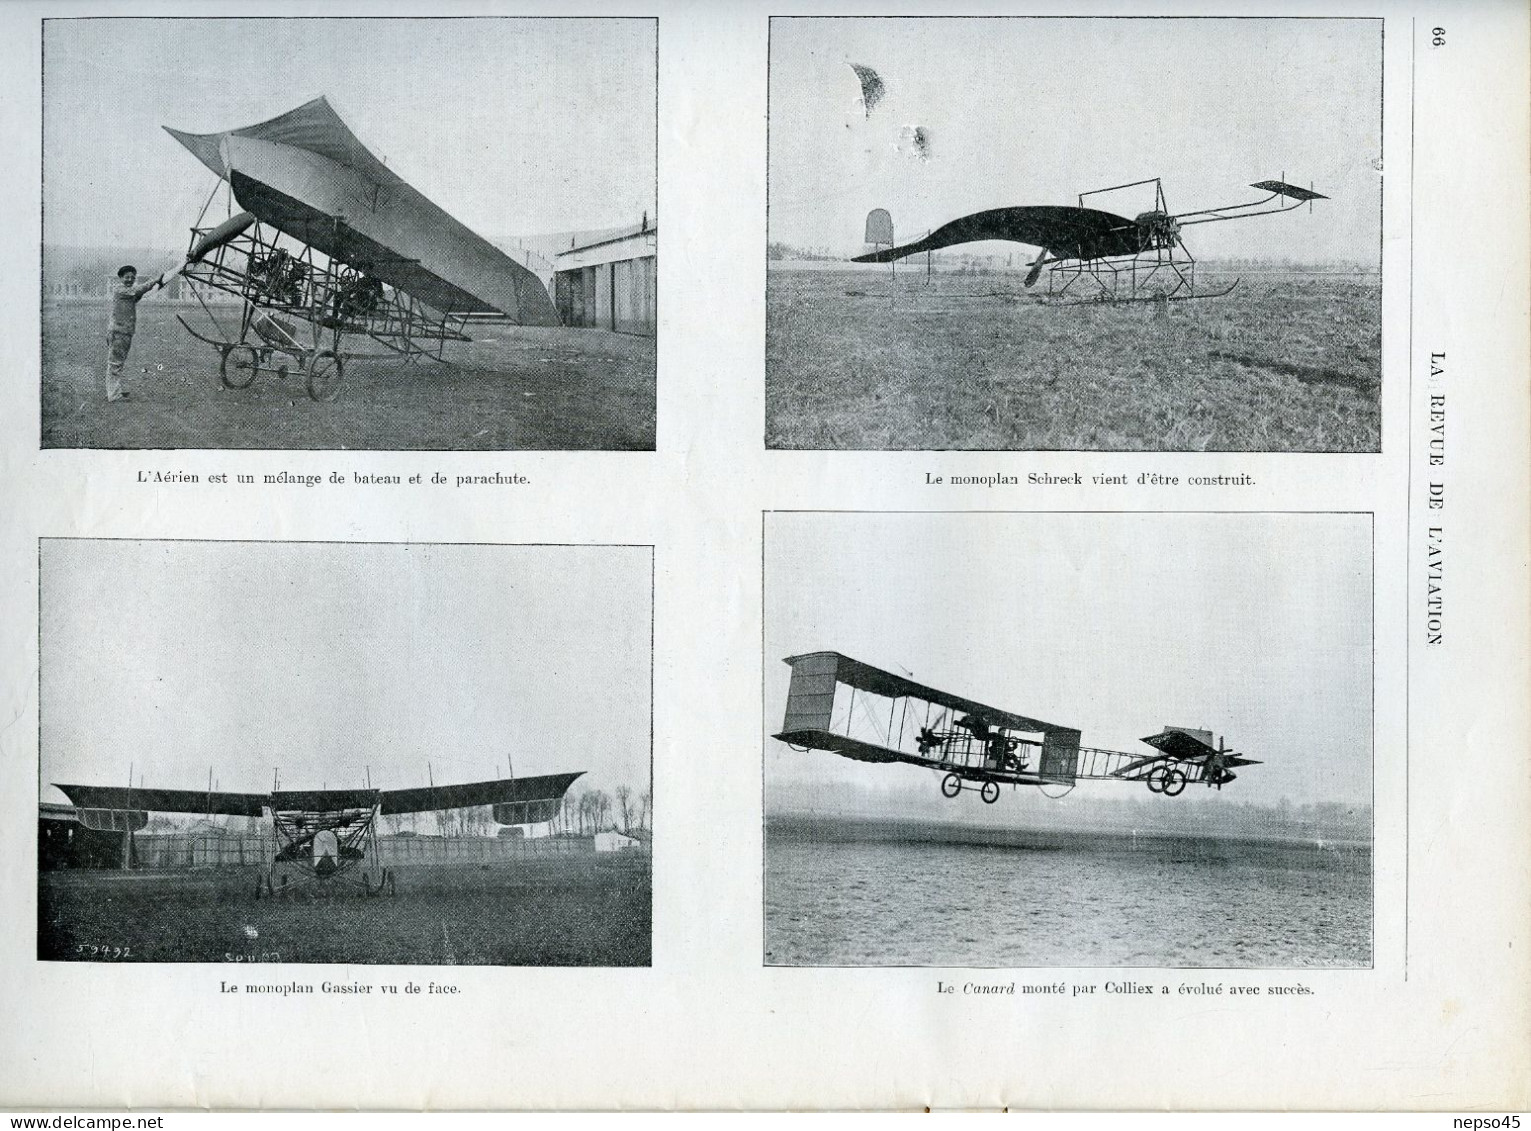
{"points": [[845, 707], [324, 836], [331, 243], [1092, 255]]}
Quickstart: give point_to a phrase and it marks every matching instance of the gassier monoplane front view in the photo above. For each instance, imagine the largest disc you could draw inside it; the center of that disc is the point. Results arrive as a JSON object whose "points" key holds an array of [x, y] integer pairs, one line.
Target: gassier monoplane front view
{"points": [[325, 836]]}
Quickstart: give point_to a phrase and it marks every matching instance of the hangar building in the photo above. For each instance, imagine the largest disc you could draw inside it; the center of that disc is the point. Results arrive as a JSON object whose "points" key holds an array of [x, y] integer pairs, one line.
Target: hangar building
{"points": [[609, 283]]}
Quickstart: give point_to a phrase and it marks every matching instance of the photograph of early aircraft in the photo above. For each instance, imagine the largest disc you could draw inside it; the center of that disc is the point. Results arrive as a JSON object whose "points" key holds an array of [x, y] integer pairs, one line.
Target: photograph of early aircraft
{"points": [[1104, 814], [965, 254], [973, 746], [1096, 256], [324, 837], [364, 753], [479, 274], [369, 257]]}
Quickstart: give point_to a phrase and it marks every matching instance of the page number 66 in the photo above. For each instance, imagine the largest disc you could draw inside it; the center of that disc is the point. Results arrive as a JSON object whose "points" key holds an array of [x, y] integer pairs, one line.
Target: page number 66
{"points": [[1437, 37]]}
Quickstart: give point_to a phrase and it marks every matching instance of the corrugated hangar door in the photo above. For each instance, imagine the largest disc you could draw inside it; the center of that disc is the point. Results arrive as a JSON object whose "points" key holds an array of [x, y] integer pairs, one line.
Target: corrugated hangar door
{"points": [[625, 297], [587, 311], [640, 319], [605, 314], [651, 294]]}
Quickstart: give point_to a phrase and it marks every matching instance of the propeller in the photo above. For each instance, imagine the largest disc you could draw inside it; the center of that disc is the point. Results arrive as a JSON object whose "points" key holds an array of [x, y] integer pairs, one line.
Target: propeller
{"points": [[929, 740]]}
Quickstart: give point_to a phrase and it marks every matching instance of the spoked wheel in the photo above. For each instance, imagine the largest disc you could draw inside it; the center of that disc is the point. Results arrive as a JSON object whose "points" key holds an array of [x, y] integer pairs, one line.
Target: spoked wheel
{"points": [[1155, 779], [239, 366], [325, 369], [990, 792], [1174, 783], [951, 785]]}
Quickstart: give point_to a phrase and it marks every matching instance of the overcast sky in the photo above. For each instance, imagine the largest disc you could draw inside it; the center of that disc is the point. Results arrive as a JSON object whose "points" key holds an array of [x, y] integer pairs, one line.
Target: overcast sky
{"points": [[515, 127], [1035, 111], [324, 659], [1256, 627]]}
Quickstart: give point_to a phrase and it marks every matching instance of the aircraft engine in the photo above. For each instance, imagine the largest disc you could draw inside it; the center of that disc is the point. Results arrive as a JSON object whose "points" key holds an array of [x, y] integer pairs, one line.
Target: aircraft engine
{"points": [[1157, 229]]}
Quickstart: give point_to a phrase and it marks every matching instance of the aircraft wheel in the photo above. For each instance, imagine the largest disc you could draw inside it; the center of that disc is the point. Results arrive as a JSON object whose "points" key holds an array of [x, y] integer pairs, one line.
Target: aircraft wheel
{"points": [[1155, 780], [239, 366], [1174, 783], [951, 785], [325, 369], [990, 792]]}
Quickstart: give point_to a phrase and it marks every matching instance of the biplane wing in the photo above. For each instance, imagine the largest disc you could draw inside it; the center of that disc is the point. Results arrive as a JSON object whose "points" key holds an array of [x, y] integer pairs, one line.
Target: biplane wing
{"points": [[510, 796], [1065, 232], [850, 708], [307, 175], [809, 701]]}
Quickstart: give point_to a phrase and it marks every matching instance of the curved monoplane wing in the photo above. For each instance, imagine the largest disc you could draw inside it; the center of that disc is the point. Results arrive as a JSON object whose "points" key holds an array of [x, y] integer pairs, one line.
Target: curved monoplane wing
{"points": [[506, 791], [307, 175], [1065, 232], [166, 800], [523, 794]]}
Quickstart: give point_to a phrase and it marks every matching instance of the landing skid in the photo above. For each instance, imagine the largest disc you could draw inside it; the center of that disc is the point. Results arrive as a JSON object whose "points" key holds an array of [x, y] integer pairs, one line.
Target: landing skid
{"points": [[1106, 299]]}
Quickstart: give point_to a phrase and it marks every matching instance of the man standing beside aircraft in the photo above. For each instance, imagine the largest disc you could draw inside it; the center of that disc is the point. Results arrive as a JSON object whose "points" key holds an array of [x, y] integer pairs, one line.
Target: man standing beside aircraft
{"points": [[125, 296]]}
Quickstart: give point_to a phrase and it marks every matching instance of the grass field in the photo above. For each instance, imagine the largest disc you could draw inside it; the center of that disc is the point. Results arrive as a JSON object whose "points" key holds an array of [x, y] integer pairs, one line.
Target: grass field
{"points": [[577, 910], [1288, 362], [509, 389]]}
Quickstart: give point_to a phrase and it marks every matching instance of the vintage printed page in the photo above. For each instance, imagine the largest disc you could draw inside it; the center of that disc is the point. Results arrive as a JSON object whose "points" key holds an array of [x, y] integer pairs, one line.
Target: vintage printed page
{"points": [[1013, 596]]}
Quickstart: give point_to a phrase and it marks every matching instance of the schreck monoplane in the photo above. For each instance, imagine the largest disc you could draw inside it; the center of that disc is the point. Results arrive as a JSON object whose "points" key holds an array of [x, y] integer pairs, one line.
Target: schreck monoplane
{"points": [[1096, 256], [845, 707], [324, 837], [329, 244]]}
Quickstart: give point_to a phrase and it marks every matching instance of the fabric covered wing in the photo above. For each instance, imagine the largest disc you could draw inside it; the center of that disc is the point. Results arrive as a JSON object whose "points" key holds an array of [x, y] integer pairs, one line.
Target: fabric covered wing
{"points": [[314, 126], [1179, 743], [836, 668], [1291, 192], [503, 792], [1065, 232], [340, 241], [305, 171], [166, 800]]}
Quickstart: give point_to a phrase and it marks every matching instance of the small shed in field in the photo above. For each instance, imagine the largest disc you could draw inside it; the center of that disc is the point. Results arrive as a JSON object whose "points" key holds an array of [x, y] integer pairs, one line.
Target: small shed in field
{"points": [[614, 842]]}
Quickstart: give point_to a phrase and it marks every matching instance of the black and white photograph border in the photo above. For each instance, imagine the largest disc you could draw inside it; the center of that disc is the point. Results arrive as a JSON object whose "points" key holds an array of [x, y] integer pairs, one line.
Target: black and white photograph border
{"points": [[349, 232], [1201, 796], [1085, 233], [345, 752]]}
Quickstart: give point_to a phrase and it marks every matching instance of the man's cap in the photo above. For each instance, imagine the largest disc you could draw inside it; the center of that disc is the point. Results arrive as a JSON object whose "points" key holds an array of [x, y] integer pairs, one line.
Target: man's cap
{"points": [[125, 268]]}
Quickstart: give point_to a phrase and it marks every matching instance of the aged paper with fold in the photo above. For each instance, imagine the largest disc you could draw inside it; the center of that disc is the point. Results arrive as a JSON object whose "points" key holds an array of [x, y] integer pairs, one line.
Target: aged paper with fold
{"points": [[1023, 605]]}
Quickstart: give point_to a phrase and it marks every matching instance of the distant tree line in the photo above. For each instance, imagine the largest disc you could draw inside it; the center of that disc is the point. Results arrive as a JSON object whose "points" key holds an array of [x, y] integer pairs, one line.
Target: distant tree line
{"points": [[585, 812]]}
